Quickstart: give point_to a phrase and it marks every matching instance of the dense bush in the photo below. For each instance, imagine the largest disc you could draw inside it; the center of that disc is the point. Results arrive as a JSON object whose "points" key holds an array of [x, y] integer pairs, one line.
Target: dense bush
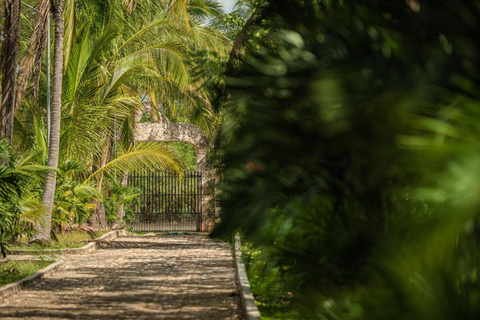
{"points": [[349, 155], [120, 197], [20, 208]]}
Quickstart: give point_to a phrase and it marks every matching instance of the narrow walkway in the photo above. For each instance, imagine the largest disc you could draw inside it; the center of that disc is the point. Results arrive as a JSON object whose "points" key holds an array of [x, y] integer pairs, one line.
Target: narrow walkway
{"points": [[161, 277]]}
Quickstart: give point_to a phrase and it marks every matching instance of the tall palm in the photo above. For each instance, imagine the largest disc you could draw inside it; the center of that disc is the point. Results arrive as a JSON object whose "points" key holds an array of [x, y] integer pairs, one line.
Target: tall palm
{"points": [[33, 57], [144, 49], [118, 57], [1, 14], [111, 58], [10, 55], [54, 143]]}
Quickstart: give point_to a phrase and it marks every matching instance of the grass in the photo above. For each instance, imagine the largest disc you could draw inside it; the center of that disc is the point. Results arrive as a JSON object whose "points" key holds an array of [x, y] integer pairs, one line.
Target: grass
{"points": [[15, 270], [69, 240], [272, 296]]}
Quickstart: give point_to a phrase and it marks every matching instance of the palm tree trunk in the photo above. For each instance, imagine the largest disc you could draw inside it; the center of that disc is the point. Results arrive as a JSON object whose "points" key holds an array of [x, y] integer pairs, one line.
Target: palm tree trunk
{"points": [[10, 55], [1, 15], [32, 60], [54, 143], [100, 213]]}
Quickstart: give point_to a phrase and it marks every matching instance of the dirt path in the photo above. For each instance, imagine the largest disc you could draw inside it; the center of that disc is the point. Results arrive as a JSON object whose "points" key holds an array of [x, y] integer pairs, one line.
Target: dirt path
{"points": [[161, 277]]}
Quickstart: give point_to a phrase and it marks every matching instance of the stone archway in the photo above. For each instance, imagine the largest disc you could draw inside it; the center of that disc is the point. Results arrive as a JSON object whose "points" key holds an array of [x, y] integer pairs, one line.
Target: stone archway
{"points": [[166, 131]]}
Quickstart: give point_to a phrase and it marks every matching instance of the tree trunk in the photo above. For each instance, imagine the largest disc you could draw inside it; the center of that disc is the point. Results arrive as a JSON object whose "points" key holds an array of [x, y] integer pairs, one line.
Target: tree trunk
{"points": [[121, 209], [239, 44], [32, 60], [1, 42], [10, 55], [107, 156], [98, 219], [54, 143]]}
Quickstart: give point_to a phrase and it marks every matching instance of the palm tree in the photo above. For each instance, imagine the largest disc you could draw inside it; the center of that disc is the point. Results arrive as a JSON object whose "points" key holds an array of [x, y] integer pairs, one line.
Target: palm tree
{"points": [[1, 14], [32, 60], [10, 55], [112, 64], [112, 57], [54, 143]]}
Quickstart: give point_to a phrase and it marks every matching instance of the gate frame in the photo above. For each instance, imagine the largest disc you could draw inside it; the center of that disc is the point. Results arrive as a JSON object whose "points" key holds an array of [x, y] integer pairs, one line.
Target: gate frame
{"points": [[165, 131]]}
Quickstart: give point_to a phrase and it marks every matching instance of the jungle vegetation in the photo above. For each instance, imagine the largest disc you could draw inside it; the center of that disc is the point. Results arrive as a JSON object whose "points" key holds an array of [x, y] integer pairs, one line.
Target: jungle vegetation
{"points": [[346, 138], [350, 158], [107, 59]]}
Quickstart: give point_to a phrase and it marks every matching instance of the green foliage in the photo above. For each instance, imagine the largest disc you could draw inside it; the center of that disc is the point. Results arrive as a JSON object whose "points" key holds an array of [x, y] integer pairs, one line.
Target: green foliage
{"points": [[15, 270], [231, 24], [119, 195], [73, 202], [270, 284], [74, 237], [186, 152], [9, 194], [114, 53], [149, 155], [349, 155], [19, 209]]}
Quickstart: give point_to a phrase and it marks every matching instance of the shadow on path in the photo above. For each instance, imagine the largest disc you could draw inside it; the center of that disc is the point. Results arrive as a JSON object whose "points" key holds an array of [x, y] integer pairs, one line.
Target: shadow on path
{"points": [[175, 277]]}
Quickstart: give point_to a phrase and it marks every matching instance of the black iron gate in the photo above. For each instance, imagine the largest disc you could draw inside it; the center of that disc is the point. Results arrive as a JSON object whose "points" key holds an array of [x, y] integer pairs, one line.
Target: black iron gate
{"points": [[168, 202]]}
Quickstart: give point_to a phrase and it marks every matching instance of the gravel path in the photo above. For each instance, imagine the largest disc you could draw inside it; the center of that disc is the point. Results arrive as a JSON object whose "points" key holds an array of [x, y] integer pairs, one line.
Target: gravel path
{"points": [[158, 277]]}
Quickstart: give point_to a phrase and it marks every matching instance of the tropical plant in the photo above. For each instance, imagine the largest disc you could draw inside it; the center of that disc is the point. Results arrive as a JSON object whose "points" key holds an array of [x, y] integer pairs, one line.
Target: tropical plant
{"points": [[231, 24], [19, 210], [48, 195], [73, 199], [115, 56], [32, 59], [186, 152], [9, 67], [112, 64], [119, 196], [149, 155], [349, 156]]}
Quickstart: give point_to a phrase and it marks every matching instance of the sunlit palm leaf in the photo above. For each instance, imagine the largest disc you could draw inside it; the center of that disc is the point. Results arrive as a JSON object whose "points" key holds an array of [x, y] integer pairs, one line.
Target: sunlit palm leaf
{"points": [[145, 155]]}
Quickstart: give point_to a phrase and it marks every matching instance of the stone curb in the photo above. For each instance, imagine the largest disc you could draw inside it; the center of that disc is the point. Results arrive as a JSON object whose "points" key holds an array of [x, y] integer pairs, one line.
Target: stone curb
{"points": [[88, 248], [17, 286], [250, 309]]}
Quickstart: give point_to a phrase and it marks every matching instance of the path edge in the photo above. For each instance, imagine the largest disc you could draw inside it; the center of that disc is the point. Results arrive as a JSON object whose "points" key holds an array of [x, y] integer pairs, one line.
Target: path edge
{"points": [[88, 248], [17, 286], [250, 309]]}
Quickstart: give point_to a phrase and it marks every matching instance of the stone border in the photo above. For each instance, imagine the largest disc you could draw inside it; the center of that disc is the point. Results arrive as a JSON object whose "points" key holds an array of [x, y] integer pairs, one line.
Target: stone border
{"points": [[250, 309], [88, 248], [17, 286]]}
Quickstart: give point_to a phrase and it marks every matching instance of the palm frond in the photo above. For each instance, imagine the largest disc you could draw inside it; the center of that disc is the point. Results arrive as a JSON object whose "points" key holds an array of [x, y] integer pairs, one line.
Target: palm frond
{"points": [[70, 23], [161, 21], [144, 155]]}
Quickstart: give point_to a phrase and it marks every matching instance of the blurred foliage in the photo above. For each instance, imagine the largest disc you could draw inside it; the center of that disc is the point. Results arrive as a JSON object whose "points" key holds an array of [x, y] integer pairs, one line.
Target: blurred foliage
{"points": [[186, 152], [349, 155], [269, 283], [231, 24]]}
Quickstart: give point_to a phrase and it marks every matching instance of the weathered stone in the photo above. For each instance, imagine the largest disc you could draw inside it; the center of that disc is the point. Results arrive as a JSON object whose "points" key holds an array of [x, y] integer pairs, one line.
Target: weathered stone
{"points": [[166, 131]]}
